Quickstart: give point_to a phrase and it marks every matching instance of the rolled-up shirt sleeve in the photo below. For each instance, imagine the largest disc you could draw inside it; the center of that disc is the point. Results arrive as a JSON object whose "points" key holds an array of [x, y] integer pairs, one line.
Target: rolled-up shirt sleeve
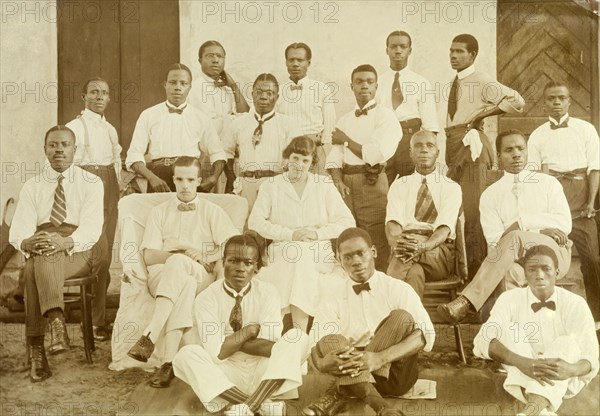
{"points": [[499, 320], [507, 99], [385, 138], [209, 142]]}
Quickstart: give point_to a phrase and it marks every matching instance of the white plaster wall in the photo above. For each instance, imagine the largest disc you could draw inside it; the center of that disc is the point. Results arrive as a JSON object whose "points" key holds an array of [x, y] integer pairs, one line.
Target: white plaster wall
{"points": [[342, 35], [28, 77]]}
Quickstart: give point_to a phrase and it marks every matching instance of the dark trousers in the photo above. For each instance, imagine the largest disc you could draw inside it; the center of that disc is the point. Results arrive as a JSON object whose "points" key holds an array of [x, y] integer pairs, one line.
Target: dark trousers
{"points": [[584, 235], [111, 201], [45, 278], [393, 379]]}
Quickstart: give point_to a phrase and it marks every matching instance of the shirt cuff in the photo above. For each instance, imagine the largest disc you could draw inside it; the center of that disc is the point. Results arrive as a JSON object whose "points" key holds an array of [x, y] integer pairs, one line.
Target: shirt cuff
{"points": [[507, 107]]}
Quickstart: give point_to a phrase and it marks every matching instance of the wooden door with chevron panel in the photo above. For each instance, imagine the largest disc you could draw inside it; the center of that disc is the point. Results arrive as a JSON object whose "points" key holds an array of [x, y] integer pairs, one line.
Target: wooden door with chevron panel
{"points": [[539, 41]]}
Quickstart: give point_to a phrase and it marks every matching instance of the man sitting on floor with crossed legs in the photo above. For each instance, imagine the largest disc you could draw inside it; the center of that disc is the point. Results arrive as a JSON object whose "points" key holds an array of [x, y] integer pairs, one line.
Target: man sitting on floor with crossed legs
{"points": [[381, 326]]}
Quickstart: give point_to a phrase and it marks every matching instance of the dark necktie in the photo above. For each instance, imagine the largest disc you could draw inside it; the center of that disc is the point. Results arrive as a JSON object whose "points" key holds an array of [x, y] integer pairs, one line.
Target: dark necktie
{"points": [[536, 306], [425, 208], [176, 110], [562, 125], [453, 98], [358, 112], [360, 287], [295, 87], [235, 317], [59, 208], [220, 82], [258, 131], [397, 96], [189, 206]]}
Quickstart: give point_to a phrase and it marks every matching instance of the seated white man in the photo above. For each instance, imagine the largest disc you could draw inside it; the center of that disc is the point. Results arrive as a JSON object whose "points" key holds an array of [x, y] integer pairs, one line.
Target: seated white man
{"points": [[421, 216], [182, 241], [523, 208], [243, 361], [381, 327], [543, 335]]}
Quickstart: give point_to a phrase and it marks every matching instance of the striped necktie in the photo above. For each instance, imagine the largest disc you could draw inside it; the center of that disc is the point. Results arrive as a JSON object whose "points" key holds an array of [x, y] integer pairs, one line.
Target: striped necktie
{"points": [[258, 131], [425, 208], [235, 317], [59, 208]]}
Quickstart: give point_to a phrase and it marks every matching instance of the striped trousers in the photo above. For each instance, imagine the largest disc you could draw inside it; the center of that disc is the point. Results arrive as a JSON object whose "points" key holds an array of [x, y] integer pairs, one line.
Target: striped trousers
{"points": [[393, 379], [45, 278]]}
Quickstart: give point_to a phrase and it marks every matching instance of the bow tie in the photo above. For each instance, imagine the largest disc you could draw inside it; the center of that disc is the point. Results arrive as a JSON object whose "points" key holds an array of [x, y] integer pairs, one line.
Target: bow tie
{"points": [[220, 83], [364, 111], [562, 125], [176, 110], [190, 206], [536, 306], [294, 87], [360, 287]]}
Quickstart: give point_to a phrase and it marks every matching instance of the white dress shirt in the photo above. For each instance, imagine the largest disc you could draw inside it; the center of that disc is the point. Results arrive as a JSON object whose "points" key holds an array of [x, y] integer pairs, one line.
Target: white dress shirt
{"points": [[541, 204], [572, 318], [206, 228], [167, 134], [565, 149], [419, 97], [357, 316], [212, 309], [311, 106], [279, 211], [102, 144], [267, 155], [402, 199], [479, 92], [216, 102], [84, 197], [378, 132]]}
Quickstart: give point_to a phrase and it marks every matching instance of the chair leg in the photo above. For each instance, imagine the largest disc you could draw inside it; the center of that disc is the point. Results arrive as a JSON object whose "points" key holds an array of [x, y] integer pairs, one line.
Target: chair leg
{"points": [[459, 344], [86, 319]]}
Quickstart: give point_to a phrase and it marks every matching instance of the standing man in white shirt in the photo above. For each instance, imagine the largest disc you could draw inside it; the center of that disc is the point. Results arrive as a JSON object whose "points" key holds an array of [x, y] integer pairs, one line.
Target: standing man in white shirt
{"points": [[98, 151], [364, 139], [421, 218], [260, 137], [380, 327], [171, 129], [244, 360], [182, 241], [473, 96], [569, 149], [57, 225], [523, 208], [308, 102], [218, 95], [543, 335], [411, 98]]}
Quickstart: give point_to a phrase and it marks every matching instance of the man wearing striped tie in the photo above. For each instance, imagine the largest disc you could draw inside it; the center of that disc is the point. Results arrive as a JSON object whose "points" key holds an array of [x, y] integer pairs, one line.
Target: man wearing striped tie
{"points": [[57, 223], [523, 208], [421, 218]]}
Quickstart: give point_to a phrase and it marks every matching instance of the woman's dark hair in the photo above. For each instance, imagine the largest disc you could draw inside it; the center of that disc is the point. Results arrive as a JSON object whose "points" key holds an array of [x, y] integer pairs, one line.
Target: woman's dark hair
{"points": [[302, 145]]}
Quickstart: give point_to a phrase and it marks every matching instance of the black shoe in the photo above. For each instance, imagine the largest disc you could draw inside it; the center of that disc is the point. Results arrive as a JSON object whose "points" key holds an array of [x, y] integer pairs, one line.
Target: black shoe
{"points": [[38, 364], [59, 339], [102, 333], [329, 404], [142, 350], [163, 376]]}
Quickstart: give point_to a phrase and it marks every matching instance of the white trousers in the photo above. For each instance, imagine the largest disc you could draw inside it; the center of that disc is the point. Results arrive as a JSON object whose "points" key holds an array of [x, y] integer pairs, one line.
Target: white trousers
{"points": [[179, 279], [209, 378]]}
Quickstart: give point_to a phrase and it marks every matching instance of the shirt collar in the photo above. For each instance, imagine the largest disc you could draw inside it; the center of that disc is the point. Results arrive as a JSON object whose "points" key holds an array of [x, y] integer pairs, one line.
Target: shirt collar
{"points": [[430, 177], [402, 71], [372, 280], [264, 116], [521, 177], [235, 294], [181, 106], [52, 175], [301, 81], [193, 201], [465, 72], [562, 119], [370, 103], [531, 298], [89, 114]]}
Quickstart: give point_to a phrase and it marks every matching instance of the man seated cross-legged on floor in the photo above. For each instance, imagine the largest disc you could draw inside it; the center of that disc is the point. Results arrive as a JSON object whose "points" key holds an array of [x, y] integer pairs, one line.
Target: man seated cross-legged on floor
{"points": [[381, 326], [543, 335], [243, 360], [182, 241]]}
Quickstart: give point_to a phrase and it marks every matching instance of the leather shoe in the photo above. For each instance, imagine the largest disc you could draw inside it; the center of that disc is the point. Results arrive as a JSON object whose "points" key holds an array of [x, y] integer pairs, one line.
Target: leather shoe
{"points": [[59, 339], [454, 311], [330, 404], [163, 376], [38, 364], [142, 350], [102, 333]]}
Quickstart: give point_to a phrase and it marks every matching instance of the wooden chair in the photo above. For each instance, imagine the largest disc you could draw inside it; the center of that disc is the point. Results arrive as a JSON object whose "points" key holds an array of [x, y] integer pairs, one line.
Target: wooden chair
{"points": [[84, 299], [444, 291]]}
